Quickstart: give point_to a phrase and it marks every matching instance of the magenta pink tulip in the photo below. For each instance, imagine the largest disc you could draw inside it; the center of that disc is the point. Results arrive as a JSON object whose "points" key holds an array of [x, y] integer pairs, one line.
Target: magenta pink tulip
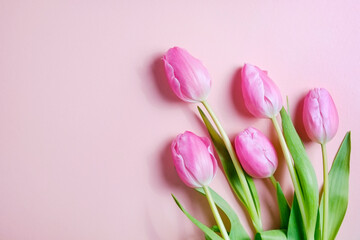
{"points": [[194, 159], [261, 96], [187, 76], [256, 153], [320, 116]]}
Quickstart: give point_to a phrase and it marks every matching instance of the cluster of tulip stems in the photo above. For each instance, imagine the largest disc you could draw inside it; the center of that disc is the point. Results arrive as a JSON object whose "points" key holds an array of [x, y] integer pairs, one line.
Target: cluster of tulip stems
{"points": [[313, 214]]}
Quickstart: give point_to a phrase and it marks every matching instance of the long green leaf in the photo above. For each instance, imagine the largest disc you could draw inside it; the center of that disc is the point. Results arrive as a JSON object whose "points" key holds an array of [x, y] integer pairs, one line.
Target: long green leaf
{"points": [[271, 235], [338, 187], [296, 229], [254, 193], [304, 171], [318, 227], [229, 168], [237, 231], [284, 207], [210, 233], [225, 159], [216, 229]]}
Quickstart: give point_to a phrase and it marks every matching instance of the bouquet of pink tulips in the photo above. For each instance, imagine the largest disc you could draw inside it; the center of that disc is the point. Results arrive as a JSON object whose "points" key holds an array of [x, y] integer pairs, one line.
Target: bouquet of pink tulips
{"points": [[312, 215]]}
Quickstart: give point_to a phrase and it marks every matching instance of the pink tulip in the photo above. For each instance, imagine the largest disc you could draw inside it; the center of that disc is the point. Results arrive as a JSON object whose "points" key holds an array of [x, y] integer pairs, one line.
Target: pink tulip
{"points": [[194, 159], [256, 153], [261, 96], [187, 76], [320, 116]]}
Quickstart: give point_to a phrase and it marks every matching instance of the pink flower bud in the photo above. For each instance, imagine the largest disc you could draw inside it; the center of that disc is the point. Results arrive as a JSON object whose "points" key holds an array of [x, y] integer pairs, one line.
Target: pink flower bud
{"points": [[320, 116], [194, 159], [187, 76], [261, 96], [256, 153]]}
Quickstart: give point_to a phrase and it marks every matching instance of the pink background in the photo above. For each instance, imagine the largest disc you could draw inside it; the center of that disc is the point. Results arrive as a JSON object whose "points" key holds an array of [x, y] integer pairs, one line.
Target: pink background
{"points": [[86, 116]]}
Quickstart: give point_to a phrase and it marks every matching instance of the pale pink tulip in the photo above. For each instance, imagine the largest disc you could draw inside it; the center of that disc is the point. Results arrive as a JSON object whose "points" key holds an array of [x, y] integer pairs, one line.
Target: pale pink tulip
{"points": [[194, 159], [256, 153], [320, 116], [187, 76], [261, 96]]}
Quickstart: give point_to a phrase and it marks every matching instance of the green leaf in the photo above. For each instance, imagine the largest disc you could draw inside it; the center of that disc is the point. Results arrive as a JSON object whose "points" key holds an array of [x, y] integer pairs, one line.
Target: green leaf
{"points": [[338, 187], [229, 168], [284, 207], [225, 159], [254, 193], [215, 228], [237, 231], [210, 233], [271, 235], [318, 227], [296, 230], [304, 171]]}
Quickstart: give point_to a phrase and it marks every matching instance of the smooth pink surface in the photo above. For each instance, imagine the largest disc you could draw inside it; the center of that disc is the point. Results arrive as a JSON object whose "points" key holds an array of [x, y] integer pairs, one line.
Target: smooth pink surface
{"points": [[256, 153], [187, 76], [87, 116], [320, 117], [194, 159], [261, 96]]}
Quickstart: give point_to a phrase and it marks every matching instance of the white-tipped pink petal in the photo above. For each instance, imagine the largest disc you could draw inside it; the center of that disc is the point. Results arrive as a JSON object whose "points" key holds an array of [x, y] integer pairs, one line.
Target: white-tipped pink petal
{"points": [[320, 117], [256, 153], [187, 76], [261, 95], [194, 159]]}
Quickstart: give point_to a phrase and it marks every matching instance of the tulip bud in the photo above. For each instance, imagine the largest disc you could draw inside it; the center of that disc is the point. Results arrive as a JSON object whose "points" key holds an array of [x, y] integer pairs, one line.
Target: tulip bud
{"points": [[256, 153], [194, 159], [187, 76], [320, 116], [261, 96]]}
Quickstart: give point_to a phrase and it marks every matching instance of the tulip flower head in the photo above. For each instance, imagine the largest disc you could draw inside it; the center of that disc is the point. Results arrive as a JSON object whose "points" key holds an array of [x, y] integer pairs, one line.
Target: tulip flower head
{"points": [[256, 153], [187, 76], [194, 159], [320, 116], [261, 96]]}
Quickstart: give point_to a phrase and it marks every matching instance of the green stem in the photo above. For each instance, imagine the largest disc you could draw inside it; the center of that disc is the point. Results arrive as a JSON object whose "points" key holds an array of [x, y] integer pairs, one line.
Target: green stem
{"points": [[273, 180], [291, 168], [287, 105], [216, 214], [325, 192], [249, 200]]}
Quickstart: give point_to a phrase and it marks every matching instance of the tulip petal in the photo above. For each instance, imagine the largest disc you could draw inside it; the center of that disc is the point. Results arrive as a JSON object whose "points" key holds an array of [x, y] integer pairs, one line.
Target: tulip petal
{"points": [[174, 82], [261, 96], [184, 174], [320, 116], [207, 143], [187, 76], [194, 162], [256, 153]]}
